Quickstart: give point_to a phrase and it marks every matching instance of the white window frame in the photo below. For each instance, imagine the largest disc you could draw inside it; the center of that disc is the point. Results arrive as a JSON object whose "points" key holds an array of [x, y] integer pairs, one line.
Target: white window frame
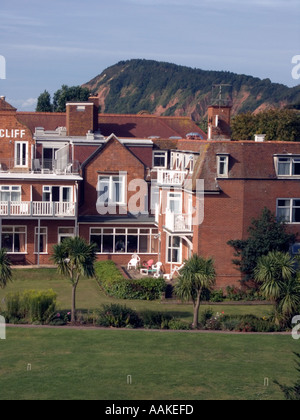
{"points": [[161, 154], [99, 231], [222, 161], [111, 182], [19, 154], [66, 235], [14, 233], [9, 189], [36, 231], [189, 161], [290, 207], [290, 161], [174, 196], [47, 189], [170, 248]]}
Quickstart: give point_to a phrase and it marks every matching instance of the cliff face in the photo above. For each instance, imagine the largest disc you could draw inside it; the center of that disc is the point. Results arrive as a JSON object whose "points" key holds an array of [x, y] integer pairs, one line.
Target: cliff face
{"points": [[134, 86]]}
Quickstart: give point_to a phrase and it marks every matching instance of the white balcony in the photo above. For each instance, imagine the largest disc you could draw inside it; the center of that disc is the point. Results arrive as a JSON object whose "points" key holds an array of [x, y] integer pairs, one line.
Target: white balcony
{"points": [[37, 209], [40, 166], [179, 223], [169, 177]]}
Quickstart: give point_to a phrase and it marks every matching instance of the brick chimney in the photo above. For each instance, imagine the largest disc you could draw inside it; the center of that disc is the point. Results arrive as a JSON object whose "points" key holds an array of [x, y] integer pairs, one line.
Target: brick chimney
{"points": [[81, 117], [218, 117]]}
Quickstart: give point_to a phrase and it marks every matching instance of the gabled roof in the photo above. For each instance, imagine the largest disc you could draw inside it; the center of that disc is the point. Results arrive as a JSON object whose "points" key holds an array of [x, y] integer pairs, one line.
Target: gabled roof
{"points": [[5, 106], [112, 138]]}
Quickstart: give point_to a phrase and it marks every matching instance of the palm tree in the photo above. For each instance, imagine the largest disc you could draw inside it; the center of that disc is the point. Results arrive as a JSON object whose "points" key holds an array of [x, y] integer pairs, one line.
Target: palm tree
{"points": [[280, 283], [197, 274], [74, 258], [5, 268]]}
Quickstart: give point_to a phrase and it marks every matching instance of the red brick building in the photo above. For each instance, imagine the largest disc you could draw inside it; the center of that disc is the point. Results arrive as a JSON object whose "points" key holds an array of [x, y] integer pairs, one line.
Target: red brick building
{"points": [[155, 186]]}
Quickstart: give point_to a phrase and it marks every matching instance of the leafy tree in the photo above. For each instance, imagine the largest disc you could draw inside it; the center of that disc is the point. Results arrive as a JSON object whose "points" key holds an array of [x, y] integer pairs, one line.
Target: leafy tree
{"points": [[280, 283], [44, 102], [277, 124], [5, 268], [66, 94], [292, 393], [74, 258], [265, 234], [196, 275]]}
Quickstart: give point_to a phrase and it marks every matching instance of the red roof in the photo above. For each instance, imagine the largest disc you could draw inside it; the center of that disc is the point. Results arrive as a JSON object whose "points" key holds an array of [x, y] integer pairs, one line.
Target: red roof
{"points": [[122, 125], [48, 120], [145, 126]]}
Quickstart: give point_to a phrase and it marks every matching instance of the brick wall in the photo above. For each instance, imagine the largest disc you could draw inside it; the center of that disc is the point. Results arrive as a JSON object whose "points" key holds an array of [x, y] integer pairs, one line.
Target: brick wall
{"points": [[112, 159]]}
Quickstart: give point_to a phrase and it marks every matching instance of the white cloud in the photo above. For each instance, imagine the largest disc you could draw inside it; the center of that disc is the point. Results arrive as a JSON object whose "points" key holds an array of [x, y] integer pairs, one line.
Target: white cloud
{"points": [[24, 104]]}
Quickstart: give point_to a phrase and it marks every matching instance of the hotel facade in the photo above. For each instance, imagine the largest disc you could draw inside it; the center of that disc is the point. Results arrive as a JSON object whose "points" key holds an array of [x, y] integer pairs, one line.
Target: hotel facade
{"points": [[140, 184]]}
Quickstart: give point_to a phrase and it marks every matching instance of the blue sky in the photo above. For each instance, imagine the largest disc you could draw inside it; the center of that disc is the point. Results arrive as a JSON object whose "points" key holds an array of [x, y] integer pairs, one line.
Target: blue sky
{"points": [[47, 44]]}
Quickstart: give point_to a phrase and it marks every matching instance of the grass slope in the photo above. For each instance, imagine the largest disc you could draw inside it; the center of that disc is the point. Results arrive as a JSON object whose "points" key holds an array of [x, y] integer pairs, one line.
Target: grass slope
{"points": [[89, 296]]}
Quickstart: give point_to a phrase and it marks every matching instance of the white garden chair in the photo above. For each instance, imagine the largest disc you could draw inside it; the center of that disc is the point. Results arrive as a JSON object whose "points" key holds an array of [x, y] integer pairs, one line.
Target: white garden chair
{"points": [[133, 263], [157, 268], [173, 271]]}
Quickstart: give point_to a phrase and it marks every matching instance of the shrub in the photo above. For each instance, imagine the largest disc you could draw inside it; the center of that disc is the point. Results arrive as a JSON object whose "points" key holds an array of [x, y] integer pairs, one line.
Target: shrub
{"points": [[248, 323], [216, 296], [214, 322], [60, 317], [177, 324], [205, 316], [114, 284], [31, 306], [157, 320], [118, 316]]}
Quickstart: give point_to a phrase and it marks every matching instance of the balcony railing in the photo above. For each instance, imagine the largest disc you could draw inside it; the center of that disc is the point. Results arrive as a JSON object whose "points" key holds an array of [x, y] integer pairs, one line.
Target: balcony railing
{"points": [[170, 177], [37, 209], [181, 223], [40, 166]]}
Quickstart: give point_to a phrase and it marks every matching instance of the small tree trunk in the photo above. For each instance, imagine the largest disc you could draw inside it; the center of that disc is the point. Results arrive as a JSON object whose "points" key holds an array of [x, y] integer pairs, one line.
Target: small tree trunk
{"points": [[196, 310], [73, 311]]}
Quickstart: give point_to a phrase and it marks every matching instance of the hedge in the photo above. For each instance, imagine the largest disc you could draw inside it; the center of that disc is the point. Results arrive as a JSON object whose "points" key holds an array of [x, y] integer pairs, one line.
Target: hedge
{"points": [[114, 284]]}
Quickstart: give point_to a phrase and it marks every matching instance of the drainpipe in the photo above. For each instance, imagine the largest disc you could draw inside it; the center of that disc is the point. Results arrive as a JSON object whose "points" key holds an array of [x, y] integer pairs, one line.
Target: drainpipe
{"points": [[38, 241]]}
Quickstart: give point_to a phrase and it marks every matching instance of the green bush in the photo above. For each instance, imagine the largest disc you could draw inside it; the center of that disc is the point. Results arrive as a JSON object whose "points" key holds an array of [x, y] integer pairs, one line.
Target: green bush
{"points": [[177, 324], [156, 320], [118, 316], [248, 323], [216, 296], [115, 285], [32, 306]]}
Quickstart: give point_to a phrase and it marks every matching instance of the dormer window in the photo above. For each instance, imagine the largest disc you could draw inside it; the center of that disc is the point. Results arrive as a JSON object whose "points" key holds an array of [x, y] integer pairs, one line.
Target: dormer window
{"points": [[160, 159], [288, 166], [222, 165]]}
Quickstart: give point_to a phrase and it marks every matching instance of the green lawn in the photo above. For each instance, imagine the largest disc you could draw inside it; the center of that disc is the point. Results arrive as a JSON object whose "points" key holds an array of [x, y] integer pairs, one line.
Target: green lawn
{"points": [[94, 364], [89, 296]]}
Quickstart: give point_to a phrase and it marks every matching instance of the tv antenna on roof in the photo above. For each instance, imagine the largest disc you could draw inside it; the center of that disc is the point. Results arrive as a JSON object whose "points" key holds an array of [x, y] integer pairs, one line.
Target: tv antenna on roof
{"points": [[221, 95]]}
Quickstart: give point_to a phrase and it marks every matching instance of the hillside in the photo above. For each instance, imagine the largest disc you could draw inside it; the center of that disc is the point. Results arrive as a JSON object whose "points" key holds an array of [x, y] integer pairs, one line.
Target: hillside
{"points": [[132, 86]]}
